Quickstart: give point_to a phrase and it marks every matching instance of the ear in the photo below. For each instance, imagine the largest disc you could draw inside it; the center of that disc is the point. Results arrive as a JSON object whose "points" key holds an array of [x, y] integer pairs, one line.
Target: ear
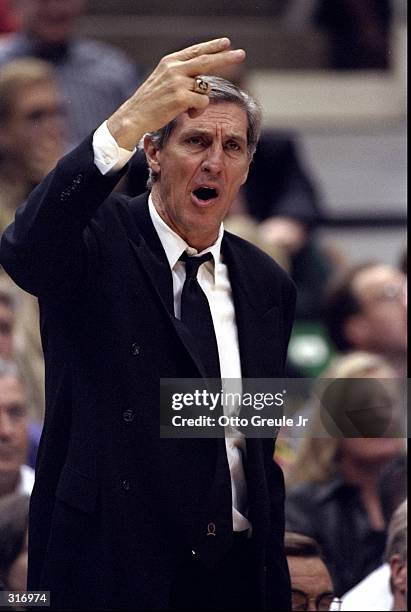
{"points": [[152, 154], [356, 330], [245, 175], [398, 573]]}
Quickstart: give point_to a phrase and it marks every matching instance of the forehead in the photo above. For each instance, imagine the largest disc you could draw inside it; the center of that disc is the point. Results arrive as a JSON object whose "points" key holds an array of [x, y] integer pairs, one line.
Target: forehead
{"points": [[375, 278], [11, 390], [39, 93], [309, 574], [225, 117]]}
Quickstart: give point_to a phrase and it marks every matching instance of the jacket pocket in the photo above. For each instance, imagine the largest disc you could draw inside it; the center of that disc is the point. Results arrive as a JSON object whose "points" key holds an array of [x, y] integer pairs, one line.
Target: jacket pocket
{"points": [[77, 490]]}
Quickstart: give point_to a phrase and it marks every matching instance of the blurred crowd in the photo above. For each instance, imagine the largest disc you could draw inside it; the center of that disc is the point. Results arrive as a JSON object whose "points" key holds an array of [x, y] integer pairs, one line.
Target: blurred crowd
{"points": [[346, 503]]}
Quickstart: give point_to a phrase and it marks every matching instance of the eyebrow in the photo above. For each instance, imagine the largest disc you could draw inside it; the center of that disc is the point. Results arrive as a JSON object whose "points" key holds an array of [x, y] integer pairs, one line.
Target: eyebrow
{"points": [[204, 132]]}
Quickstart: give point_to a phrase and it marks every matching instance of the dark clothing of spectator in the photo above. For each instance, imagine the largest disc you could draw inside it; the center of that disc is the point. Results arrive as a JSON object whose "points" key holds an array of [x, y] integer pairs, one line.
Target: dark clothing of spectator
{"points": [[333, 514], [94, 78], [359, 32]]}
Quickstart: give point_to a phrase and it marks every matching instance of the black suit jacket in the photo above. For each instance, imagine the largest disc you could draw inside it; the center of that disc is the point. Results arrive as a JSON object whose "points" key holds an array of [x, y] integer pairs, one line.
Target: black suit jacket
{"points": [[114, 507]]}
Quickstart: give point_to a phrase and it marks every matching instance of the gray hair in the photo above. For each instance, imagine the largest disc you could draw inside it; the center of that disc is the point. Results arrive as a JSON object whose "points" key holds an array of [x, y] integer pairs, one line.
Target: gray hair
{"points": [[221, 91], [397, 534]]}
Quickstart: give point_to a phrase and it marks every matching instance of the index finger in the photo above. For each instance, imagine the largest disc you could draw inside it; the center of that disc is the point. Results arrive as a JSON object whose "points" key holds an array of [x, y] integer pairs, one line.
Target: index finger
{"points": [[208, 47], [208, 64]]}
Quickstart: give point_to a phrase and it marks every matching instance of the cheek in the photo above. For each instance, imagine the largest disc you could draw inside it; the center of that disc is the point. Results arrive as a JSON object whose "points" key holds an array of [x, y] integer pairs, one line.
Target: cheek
{"points": [[23, 442]]}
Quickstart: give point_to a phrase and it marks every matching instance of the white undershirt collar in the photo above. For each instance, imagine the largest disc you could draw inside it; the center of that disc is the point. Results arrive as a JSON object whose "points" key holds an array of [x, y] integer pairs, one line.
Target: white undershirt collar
{"points": [[174, 245]]}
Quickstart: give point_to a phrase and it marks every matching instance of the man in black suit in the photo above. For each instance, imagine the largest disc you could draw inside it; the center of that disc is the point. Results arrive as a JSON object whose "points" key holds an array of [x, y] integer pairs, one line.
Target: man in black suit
{"points": [[119, 517]]}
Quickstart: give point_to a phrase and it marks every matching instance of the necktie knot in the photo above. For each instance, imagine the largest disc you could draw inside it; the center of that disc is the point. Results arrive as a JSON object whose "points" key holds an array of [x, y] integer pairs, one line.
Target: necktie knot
{"points": [[193, 263]]}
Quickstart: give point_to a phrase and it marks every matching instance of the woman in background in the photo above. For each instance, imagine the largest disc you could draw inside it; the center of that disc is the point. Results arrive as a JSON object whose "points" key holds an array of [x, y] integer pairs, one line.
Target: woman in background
{"points": [[14, 510], [333, 484]]}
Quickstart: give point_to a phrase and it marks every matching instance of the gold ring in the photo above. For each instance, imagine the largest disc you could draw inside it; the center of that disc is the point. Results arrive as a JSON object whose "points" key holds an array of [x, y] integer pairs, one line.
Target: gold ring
{"points": [[201, 86]]}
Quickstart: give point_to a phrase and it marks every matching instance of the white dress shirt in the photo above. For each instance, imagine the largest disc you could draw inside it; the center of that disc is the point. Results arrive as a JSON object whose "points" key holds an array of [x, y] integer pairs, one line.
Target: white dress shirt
{"points": [[372, 593], [214, 281], [26, 482]]}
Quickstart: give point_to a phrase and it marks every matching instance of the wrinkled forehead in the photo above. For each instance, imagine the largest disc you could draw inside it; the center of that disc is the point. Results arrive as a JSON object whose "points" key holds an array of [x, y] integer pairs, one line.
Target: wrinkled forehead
{"points": [[228, 117], [309, 574]]}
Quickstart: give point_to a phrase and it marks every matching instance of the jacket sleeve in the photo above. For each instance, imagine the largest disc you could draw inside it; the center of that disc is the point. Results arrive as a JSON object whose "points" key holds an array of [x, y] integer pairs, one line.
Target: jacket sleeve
{"points": [[51, 246]]}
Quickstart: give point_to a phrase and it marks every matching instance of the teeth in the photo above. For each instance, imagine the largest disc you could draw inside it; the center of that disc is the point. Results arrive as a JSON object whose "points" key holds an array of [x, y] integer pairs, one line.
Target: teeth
{"points": [[205, 193]]}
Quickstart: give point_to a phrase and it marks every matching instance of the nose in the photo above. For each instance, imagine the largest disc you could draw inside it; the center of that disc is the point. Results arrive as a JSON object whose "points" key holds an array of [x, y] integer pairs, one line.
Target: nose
{"points": [[213, 159]]}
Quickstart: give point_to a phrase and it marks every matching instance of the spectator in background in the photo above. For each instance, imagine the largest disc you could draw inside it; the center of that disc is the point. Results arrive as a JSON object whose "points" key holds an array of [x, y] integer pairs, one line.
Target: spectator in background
{"points": [[333, 487], [311, 586], [392, 486], [31, 142], [94, 78], [15, 475], [359, 32], [365, 310], [31, 131], [10, 350], [374, 592], [396, 556], [19, 343], [15, 346], [14, 511]]}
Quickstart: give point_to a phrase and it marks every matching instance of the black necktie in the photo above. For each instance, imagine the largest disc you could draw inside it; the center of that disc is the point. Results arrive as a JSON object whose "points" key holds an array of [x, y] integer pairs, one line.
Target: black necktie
{"points": [[215, 523], [196, 315]]}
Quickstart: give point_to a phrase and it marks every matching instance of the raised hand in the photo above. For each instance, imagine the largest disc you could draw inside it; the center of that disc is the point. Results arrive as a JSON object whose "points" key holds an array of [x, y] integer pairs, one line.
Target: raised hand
{"points": [[169, 90]]}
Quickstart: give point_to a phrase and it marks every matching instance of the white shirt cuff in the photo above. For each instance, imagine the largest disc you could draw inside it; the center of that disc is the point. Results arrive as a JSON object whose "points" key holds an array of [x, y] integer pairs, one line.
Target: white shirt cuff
{"points": [[108, 156]]}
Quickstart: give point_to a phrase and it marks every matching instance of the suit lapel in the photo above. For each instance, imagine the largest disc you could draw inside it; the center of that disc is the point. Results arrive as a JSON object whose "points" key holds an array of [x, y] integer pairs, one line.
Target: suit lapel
{"points": [[147, 248], [257, 319]]}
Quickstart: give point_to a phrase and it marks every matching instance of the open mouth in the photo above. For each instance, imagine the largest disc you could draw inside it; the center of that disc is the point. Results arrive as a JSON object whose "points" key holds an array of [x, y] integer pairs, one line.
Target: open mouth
{"points": [[205, 193]]}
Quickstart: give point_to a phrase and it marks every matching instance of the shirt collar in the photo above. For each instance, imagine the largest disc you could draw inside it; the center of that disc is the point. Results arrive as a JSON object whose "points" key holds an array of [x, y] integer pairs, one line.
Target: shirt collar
{"points": [[174, 245]]}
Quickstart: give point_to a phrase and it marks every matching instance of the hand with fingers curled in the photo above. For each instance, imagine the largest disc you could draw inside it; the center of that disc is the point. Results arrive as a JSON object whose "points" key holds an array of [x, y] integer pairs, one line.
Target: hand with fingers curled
{"points": [[173, 87]]}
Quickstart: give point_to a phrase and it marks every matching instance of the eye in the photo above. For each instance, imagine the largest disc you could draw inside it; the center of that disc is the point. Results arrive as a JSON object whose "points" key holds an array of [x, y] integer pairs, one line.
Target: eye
{"points": [[194, 140], [17, 411], [232, 145]]}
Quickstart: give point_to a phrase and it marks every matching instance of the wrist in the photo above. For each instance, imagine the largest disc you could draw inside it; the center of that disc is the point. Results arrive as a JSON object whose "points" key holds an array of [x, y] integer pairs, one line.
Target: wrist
{"points": [[124, 132]]}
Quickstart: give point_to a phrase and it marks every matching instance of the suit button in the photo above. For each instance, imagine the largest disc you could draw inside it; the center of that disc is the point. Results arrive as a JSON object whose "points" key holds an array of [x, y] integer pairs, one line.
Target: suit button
{"points": [[126, 485], [135, 349], [65, 194], [193, 553], [128, 415]]}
